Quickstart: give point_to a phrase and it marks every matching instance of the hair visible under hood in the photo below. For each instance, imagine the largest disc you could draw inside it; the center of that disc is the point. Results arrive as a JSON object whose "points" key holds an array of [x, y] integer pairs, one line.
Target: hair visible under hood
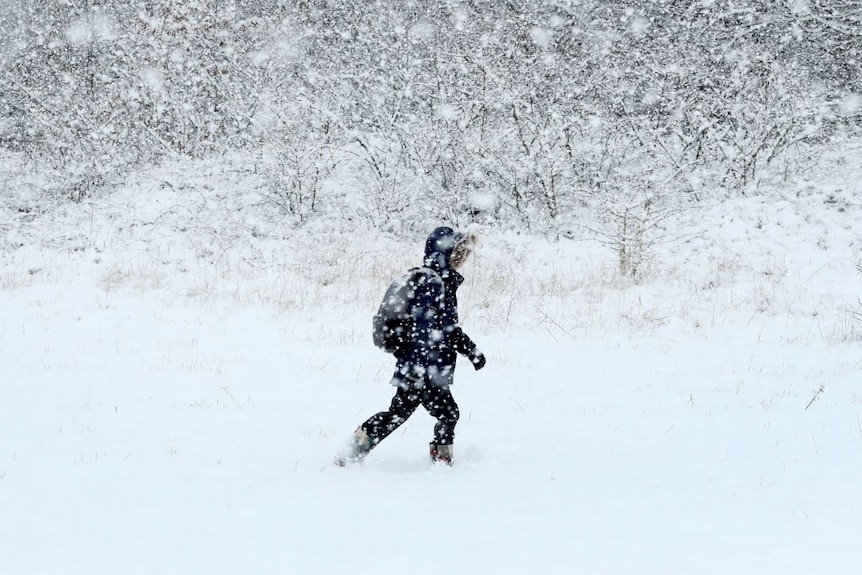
{"points": [[463, 248], [442, 245]]}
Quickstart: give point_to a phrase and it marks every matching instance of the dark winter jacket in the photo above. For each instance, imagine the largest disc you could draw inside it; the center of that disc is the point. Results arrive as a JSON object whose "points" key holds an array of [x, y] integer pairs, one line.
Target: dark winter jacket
{"points": [[437, 337]]}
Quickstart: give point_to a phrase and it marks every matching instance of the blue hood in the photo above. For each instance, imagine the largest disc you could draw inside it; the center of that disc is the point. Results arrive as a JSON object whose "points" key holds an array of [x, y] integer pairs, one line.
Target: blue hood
{"points": [[438, 248]]}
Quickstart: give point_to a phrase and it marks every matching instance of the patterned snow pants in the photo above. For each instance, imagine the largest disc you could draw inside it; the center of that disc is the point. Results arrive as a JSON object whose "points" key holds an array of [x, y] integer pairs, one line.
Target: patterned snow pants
{"points": [[439, 403]]}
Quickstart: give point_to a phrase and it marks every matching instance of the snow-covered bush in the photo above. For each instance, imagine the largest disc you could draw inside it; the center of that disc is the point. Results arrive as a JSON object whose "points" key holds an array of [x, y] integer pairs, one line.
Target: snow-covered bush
{"points": [[523, 115], [93, 89]]}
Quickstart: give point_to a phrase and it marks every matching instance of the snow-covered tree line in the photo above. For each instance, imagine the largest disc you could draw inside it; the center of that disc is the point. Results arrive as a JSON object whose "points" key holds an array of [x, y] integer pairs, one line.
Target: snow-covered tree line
{"points": [[521, 111]]}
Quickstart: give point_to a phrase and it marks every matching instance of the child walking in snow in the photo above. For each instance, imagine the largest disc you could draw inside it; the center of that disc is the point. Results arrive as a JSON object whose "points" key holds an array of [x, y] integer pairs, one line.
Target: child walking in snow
{"points": [[418, 323]]}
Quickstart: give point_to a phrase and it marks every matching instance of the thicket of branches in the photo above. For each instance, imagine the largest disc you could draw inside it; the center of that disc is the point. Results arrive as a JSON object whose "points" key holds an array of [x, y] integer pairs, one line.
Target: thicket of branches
{"points": [[521, 112]]}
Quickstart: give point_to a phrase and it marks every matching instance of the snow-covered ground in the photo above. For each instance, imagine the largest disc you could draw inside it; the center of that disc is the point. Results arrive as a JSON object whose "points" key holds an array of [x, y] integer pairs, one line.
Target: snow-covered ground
{"points": [[178, 371]]}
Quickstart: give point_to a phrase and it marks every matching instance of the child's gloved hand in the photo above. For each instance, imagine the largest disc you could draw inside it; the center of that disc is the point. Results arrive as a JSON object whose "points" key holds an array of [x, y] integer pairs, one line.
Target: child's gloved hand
{"points": [[477, 358]]}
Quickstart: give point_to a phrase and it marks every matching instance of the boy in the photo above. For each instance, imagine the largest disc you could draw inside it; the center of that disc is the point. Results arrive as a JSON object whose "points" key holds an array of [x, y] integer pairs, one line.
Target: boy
{"points": [[425, 345]]}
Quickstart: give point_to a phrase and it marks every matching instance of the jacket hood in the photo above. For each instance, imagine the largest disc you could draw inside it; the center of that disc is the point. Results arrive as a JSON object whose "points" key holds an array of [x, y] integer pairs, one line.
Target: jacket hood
{"points": [[439, 246]]}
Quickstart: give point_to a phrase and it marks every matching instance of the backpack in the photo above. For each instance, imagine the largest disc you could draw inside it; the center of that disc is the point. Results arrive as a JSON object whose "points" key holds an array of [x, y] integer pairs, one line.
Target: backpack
{"points": [[393, 324]]}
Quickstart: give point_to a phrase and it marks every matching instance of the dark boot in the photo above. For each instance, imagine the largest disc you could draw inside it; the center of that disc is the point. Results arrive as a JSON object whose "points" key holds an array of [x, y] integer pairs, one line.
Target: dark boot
{"points": [[441, 453]]}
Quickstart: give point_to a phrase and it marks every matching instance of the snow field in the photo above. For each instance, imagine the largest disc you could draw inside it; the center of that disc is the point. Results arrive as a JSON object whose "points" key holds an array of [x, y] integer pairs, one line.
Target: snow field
{"points": [[178, 371], [154, 427]]}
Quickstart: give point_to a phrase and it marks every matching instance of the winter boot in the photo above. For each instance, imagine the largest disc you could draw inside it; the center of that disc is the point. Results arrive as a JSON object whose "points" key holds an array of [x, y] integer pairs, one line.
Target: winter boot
{"points": [[441, 453], [360, 445]]}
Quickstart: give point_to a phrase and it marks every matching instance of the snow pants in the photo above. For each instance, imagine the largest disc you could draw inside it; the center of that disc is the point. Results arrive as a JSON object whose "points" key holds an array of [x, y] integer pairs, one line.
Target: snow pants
{"points": [[439, 403]]}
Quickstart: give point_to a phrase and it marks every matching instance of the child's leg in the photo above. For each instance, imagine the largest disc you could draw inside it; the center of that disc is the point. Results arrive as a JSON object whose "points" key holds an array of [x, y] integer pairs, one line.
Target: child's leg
{"points": [[380, 425], [441, 405]]}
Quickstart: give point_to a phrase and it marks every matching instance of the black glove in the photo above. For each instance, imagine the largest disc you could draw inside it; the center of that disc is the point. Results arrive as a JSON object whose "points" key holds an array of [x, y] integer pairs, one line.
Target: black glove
{"points": [[477, 358]]}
